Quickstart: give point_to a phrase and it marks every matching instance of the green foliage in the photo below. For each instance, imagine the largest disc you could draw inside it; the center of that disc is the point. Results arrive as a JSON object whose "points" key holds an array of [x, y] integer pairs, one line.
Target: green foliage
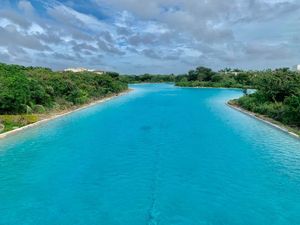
{"points": [[244, 78], [278, 84], [39, 109], [15, 92], [216, 78], [206, 77], [292, 110], [201, 74], [113, 74], [30, 89], [147, 78], [277, 96]]}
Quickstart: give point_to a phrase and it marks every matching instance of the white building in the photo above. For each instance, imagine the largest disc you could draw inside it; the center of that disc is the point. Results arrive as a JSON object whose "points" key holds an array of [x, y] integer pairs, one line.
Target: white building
{"points": [[297, 68], [81, 69], [98, 72], [75, 70]]}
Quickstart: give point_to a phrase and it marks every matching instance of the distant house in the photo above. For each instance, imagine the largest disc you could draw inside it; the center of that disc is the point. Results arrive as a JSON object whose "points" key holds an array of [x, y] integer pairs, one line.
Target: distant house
{"points": [[231, 73], [98, 72], [75, 70], [297, 68], [81, 69]]}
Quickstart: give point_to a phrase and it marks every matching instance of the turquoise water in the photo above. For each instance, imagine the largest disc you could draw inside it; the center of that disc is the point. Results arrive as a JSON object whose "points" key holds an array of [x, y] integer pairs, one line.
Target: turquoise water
{"points": [[159, 155]]}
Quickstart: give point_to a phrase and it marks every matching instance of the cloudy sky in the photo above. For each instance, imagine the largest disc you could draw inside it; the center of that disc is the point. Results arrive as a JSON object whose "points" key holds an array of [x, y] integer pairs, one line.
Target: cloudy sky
{"points": [[157, 36]]}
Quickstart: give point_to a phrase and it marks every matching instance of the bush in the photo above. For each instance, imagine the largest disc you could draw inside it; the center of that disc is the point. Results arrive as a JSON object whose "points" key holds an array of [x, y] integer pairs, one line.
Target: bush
{"points": [[29, 89], [39, 109], [292, 110]]}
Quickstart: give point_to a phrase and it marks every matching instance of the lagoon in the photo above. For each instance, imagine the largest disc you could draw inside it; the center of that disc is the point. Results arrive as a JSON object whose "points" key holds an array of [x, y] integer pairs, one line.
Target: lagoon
{"points": [[158, 155]]}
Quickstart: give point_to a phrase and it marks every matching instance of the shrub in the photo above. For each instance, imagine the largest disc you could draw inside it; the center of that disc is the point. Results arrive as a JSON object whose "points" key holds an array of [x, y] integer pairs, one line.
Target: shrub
{"points": [[39, 109]]}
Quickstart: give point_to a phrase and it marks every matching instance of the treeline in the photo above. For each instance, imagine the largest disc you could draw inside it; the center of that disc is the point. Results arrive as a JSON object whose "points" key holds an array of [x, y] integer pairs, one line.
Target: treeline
{"points": [[26, 90], [206, 77], [148, 78], [36, 90], [200, 77], [277, 96]]}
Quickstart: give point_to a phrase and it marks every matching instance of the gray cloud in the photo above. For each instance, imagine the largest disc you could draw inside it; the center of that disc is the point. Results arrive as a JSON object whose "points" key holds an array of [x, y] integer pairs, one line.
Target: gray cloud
{"points": [[268, 52], [62, 15], [109, 48], [5, 57], [124, 31], [262, 11], [11, 37], [83, 47], [151, 54], [51, 37], [159, 55], [15, 18], [144, 39], [16, 51], [65, 56]]}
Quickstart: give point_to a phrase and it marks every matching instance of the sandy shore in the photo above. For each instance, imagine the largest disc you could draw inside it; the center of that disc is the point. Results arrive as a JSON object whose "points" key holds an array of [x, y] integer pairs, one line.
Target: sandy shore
{"points": [[266, 120], [60, 114]]}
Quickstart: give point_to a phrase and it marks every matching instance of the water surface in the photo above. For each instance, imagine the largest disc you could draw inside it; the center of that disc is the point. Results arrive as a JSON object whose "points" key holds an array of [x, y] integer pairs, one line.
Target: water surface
{"points": [[159, 155]]}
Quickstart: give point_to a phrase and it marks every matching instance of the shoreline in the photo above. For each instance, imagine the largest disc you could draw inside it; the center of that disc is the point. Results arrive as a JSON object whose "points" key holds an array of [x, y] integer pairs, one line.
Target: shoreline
{"points": [[230, 88], [151, 83], [266, 120], [62, 113], [276, 124]]}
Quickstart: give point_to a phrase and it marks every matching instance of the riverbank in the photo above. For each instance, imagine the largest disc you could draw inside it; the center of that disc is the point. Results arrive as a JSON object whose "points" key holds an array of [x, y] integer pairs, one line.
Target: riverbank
{"points": [[291, 131], [276, 124], [225, 88], [54, 115], [213, 85]]}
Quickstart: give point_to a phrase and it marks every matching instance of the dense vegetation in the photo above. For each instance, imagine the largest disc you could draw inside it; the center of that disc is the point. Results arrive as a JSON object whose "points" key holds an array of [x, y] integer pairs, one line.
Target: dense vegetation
{"points": [[200, 77], [35, 90], [148, 78], [30, 91], [277, 96], [206, 77]]}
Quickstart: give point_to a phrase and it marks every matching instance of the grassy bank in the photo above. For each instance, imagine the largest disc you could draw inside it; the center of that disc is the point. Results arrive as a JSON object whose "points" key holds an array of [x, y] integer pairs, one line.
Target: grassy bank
{"points": [[11, 122]]}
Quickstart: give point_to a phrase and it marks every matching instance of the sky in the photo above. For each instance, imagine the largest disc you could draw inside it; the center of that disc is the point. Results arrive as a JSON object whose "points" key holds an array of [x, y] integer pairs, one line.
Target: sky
{"points": [[150, 36]]}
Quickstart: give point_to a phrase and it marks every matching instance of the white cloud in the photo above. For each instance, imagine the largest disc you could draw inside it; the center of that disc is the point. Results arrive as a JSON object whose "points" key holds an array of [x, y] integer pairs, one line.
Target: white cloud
{"points": [[36, 29], [166, 35]]}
